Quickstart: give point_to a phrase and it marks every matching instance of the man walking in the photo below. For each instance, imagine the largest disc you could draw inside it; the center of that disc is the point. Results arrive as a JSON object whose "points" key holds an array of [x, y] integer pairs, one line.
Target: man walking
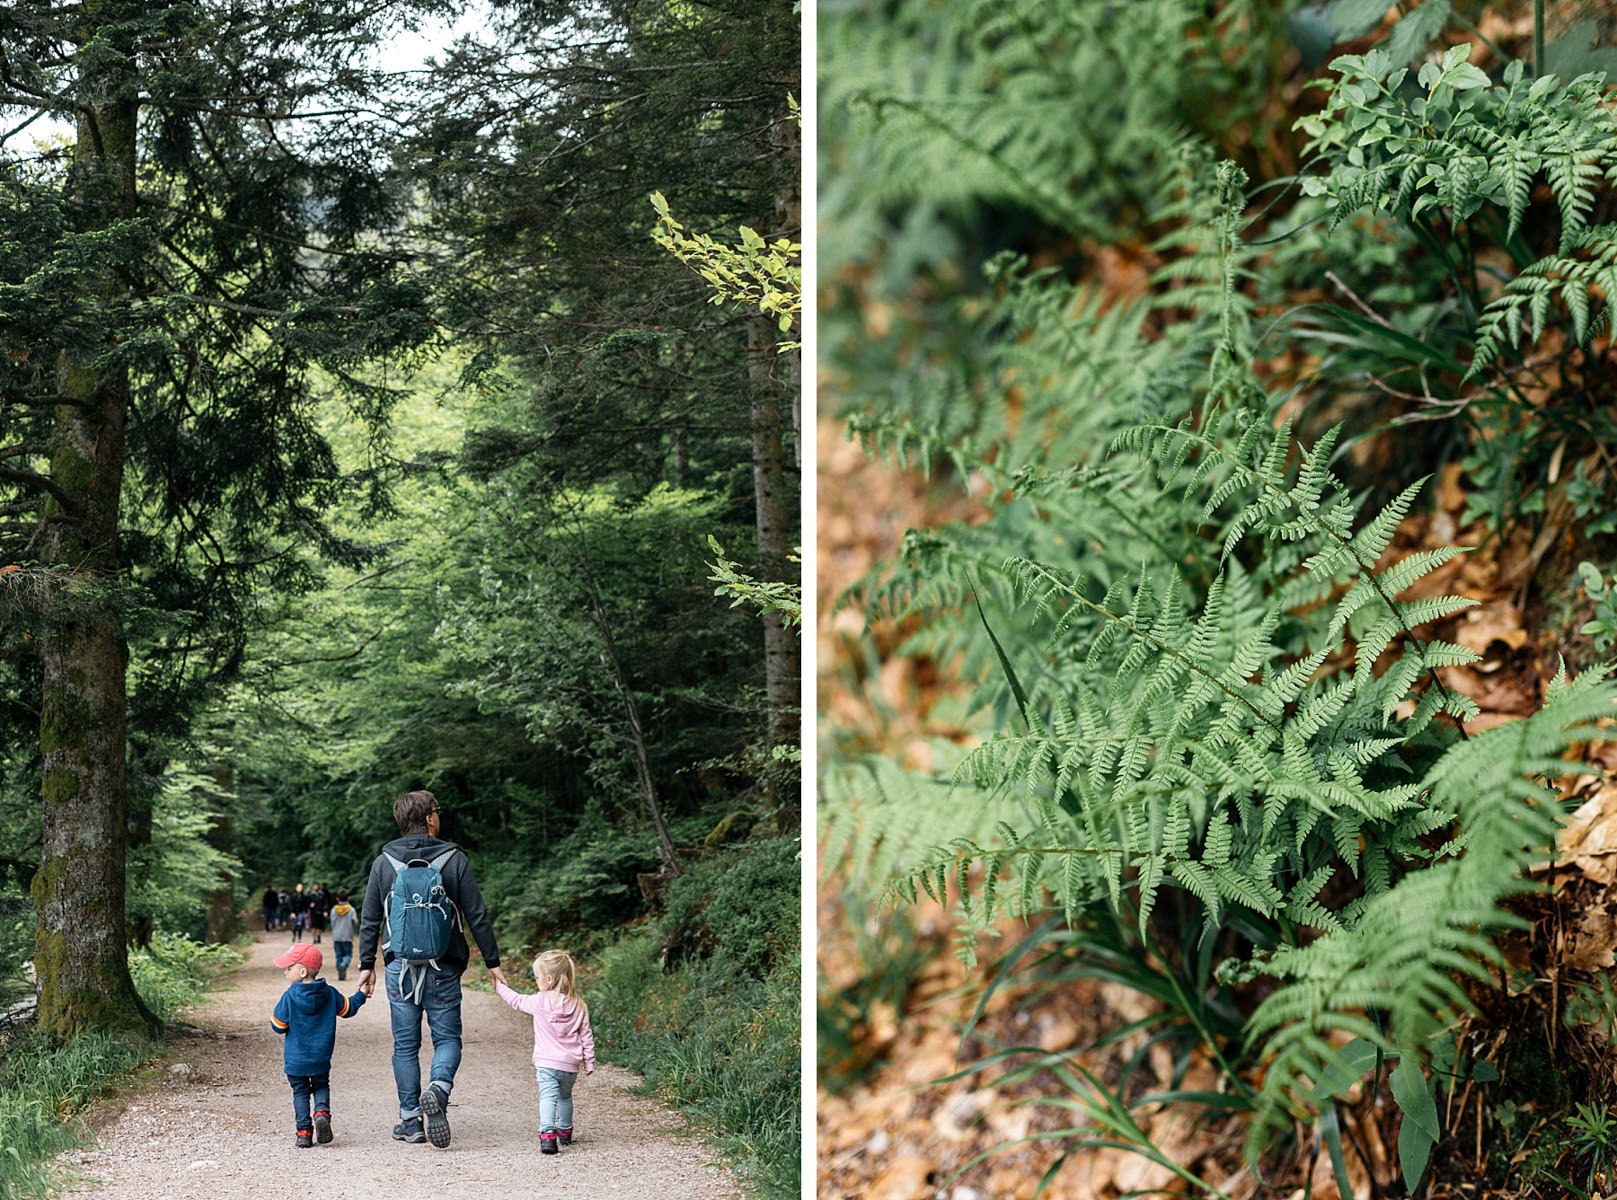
{"points": [[424, 989]]}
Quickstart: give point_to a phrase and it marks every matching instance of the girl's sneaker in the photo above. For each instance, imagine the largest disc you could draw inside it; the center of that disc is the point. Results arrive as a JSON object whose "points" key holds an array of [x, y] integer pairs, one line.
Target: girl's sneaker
{"points": [[304, 1139], [547, 1143], [564, 1137], [322, 1127]]}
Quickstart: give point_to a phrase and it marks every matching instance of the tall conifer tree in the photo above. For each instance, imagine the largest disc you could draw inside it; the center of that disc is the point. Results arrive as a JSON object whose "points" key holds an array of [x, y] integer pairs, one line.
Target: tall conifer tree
{"points": [[557, 126], [179, 278]]}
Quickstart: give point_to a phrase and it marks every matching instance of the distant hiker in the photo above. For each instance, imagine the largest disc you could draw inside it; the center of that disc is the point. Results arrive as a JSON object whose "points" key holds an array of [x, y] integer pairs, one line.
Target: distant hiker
{"points": [[342, 932], [441, 902], [319, 909], [563, 1043], [306, 1014], [272, 907], [283, 909], [298, 909]]}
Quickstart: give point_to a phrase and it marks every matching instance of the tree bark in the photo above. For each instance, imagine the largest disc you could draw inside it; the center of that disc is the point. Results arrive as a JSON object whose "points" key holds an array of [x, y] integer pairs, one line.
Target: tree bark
{"points": [[774, 496], [774, 380], [81, 946]]}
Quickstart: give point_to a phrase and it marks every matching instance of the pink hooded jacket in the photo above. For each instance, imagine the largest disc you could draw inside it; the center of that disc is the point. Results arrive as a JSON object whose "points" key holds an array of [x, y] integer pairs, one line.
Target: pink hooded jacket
{"points": [[562, 1039]]}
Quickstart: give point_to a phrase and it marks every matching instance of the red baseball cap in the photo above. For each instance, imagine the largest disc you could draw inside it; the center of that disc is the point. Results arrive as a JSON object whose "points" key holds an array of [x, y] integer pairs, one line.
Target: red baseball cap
{"points": [[302, 952]]}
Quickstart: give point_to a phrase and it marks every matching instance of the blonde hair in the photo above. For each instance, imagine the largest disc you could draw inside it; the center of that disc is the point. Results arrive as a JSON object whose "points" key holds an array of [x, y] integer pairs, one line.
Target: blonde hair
{"points": [[555, 969]]}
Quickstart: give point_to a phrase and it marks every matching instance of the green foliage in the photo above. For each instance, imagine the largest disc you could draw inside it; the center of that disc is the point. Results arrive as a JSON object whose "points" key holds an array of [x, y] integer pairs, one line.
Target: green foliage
{"points": [[939, 120], [722, 1047], [1210, 704], [549, 130], [766, 596], [172, 875], [1594, 1140], [1602, 627], [1457, 158], [174, 970], [469, 662], [767, 276], [1460, 142], [739, 905], [584, 885], [43, 1084]]}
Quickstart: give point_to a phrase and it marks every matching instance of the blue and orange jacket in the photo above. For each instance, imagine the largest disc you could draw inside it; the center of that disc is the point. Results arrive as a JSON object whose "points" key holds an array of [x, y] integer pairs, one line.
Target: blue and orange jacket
{"points": [[307, 1014]]}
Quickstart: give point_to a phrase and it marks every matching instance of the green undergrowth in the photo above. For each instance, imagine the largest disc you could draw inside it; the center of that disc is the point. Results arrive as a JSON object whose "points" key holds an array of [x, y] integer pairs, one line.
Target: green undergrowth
{"points": [[705, 1004], [175, 971], [46, 1083]]}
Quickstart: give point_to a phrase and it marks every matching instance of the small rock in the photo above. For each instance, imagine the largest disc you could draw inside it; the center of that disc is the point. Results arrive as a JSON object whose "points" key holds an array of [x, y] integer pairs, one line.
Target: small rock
{"points": [[182, 1070]]}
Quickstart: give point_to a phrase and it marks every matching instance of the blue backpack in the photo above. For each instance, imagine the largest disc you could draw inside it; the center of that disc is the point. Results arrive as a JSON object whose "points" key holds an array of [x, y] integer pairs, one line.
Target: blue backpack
{"points": [[419, 914]]}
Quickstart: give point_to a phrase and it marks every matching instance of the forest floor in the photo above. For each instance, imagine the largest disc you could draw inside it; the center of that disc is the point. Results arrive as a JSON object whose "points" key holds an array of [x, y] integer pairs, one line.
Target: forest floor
{"points": [[214, 1120], [901, 1117]]}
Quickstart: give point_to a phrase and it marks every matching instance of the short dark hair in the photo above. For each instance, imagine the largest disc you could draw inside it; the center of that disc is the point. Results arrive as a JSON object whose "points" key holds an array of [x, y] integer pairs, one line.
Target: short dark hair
{"points": [[410, 811]]}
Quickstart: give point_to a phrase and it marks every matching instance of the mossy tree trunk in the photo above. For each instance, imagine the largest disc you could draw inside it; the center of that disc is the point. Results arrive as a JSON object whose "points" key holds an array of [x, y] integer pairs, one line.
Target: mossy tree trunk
{"points": [[81, 948]]}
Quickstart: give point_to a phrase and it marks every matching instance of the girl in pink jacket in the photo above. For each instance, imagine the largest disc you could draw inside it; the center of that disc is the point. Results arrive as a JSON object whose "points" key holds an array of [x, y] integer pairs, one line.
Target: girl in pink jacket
{"points": [[562, 1042]]}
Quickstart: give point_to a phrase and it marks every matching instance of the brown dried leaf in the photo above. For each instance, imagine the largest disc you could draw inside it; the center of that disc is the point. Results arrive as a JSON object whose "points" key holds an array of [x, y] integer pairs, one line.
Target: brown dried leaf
{"points": [[1596, 943], [1589, 839]]}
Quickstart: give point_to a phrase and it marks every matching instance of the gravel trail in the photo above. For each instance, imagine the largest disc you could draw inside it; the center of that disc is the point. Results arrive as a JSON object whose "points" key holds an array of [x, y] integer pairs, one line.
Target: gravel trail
{"points": [[218, 1124]]}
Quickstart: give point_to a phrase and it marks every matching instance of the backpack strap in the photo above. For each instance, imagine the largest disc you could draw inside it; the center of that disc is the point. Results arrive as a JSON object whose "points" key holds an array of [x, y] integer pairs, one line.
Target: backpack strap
{"points": [[439, 863]]}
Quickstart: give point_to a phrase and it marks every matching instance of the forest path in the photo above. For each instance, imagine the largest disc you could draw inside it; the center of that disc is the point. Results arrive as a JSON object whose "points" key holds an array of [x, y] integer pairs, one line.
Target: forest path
{"points": [[218, 1124]]}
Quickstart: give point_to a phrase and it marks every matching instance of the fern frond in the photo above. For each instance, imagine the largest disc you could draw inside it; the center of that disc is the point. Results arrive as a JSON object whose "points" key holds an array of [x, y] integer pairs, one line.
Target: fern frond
{"points": [[1586, 268], [1403, 956]]}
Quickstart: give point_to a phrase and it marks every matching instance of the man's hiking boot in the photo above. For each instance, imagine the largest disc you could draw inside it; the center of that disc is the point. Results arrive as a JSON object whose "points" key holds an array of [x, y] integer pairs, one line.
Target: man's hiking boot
{"points": [[564, 1137], [432, 1104], [322, 1127], [304, 1139], [409, 1131], [547, 1143]]}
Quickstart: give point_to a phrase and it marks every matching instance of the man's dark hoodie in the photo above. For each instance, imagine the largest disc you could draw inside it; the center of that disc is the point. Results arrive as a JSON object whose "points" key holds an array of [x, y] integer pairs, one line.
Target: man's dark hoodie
{"points": [[307, 1014], [458, 882]]}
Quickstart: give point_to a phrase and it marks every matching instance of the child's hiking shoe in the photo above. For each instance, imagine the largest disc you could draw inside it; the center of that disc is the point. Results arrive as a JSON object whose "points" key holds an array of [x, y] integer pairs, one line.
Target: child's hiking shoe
{"points": [[547, 1143], [305, 1138], [564, 1137], [432, 1104], [322, 1127], [409, 1131]]}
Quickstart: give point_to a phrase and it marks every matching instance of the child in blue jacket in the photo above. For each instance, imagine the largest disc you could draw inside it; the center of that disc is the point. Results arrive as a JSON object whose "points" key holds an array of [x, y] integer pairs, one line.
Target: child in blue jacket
{"points": [[307, 1015]]}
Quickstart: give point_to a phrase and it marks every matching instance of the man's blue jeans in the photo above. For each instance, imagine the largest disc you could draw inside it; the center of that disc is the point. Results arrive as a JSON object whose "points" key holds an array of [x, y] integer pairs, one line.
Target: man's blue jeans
{"points": [[440, 1004]]}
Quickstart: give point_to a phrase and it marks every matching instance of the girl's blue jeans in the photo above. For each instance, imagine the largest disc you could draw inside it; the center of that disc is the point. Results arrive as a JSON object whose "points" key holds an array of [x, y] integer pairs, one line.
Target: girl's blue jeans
{"points": [[555, 1098], [306, 1088]]}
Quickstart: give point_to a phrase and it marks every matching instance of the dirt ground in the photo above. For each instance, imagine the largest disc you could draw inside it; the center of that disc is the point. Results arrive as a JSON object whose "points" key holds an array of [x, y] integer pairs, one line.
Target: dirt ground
{"points": [[217, 1124]]}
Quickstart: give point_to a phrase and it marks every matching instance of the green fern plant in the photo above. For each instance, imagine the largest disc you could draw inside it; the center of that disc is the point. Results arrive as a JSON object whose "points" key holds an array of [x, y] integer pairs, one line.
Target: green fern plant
{"points": [[1457, 141], [1208, 680], [1455, 158]]}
